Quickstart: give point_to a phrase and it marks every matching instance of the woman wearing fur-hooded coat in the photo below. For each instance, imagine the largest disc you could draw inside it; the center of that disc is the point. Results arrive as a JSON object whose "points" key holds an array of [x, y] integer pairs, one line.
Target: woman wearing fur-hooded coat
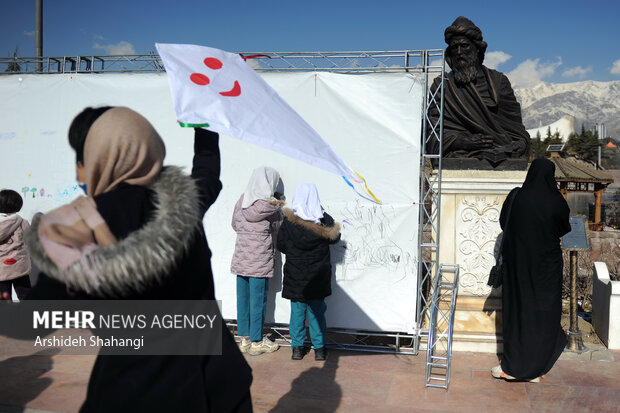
{"points": [[139, 235], [305, 237]]}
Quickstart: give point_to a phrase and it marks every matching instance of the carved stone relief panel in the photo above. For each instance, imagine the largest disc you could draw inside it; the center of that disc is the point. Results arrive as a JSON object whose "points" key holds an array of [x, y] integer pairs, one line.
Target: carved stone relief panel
{"points": [[477, 228]]}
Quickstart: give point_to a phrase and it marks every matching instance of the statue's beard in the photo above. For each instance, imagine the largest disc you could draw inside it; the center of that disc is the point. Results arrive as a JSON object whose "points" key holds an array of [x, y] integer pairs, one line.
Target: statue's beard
{"points": [[466, 69]]}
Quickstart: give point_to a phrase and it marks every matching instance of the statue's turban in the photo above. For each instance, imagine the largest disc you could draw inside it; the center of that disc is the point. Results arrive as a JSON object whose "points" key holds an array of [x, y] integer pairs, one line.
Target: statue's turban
{"points": [[462, 26]]}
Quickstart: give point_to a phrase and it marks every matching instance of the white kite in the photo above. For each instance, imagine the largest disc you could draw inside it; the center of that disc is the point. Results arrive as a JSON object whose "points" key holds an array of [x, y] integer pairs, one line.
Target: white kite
{"points": [[216, 89]]}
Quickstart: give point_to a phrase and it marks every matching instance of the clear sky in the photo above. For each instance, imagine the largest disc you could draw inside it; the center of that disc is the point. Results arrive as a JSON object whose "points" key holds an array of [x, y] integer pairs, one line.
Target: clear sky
{"points": [[550, 40]]}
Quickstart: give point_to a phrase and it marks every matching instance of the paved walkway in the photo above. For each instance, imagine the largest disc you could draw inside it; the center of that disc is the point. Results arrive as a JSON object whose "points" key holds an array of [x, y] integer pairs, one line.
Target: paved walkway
{"points": [[346, 382]]}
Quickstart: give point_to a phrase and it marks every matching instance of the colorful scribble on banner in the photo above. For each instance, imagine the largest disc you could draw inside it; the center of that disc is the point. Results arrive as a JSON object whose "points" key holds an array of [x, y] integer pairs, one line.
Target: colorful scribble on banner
{"points": [[61, 195], [7, 135], [66, 194]]}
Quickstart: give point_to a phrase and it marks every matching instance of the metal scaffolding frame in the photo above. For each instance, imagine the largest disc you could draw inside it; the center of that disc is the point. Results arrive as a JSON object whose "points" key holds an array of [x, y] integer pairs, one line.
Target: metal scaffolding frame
{"points": [[350, 340], [429, 63], [441, 324], [342, 62], [81, 64], [430, 202]]}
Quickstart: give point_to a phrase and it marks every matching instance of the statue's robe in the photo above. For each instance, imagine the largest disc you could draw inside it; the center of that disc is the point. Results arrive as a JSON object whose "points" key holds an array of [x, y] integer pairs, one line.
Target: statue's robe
{"points": [[487, 106]]}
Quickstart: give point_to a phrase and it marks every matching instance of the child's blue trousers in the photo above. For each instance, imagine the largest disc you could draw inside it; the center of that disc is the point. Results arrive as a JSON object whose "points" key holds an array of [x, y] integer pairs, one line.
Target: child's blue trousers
{"points": [[251, 303], [316, 322]]}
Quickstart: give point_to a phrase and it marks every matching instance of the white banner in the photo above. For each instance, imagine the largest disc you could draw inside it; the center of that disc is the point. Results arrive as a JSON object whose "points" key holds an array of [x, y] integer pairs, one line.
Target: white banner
{"points": [[373, 120]]}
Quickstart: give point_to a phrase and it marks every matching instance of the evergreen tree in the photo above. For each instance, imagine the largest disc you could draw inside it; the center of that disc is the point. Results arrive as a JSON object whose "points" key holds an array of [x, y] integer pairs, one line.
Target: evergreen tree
{"points": [[572, 143], [550, 139], [538, 148], [14, 66], [584, 145], [589, 149]]}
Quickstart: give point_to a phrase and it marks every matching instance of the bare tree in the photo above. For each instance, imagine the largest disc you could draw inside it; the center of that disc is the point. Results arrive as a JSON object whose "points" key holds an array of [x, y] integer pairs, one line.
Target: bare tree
{"points": [[14, 66]]}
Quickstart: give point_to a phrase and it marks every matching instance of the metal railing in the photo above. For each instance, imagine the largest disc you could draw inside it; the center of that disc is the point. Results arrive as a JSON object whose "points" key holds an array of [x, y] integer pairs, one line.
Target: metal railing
{"points": [[350, 62]]}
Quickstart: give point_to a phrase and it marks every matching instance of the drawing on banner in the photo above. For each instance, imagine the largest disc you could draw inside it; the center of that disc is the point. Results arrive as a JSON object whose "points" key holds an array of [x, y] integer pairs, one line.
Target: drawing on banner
{"points": [[63, 193], [368, 241], [66, 194], [7, 135]]}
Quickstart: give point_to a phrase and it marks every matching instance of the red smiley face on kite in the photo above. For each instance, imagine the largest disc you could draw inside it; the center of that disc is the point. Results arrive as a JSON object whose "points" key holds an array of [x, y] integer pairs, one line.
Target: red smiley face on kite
{"points": [[202, 80]]}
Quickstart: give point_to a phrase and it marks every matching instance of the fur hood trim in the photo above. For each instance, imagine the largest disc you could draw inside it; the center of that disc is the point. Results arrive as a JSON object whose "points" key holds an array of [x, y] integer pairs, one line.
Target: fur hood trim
{"points": [[330, 233], [275, 202], [145, 256]]}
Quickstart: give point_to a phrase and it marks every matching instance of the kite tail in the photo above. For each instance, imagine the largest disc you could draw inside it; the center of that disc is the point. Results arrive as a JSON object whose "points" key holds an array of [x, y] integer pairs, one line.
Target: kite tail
{"points": [[372, 198]]}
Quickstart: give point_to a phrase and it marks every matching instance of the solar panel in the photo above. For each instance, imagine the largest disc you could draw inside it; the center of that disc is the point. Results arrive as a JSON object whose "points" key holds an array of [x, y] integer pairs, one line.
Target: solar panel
{"points": [[576, 239], [555, 148]]}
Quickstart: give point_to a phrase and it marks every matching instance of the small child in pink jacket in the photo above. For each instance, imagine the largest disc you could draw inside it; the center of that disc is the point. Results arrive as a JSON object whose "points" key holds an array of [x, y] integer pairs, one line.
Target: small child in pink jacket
{"points": [[14, 258], [256, 218]]}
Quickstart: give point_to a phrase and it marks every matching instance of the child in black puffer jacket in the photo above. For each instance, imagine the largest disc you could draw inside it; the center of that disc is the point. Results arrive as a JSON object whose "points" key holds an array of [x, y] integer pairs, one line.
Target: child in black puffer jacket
{"points": [[305, 236]]}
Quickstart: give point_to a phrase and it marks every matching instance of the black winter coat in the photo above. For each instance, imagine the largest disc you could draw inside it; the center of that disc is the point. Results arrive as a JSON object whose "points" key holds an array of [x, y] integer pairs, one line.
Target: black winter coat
{"points": [[307, 269], [160, 383]]}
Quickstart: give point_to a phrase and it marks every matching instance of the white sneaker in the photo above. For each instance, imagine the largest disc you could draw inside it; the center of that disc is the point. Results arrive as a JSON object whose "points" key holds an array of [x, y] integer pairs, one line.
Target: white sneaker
{"points": [[498, 373], [244, 344], [264, 346], [273, 346]]}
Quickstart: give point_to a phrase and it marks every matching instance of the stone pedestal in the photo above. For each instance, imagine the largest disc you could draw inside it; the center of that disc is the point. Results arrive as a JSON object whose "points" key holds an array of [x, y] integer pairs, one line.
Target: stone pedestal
{"points": [[471, 201]]}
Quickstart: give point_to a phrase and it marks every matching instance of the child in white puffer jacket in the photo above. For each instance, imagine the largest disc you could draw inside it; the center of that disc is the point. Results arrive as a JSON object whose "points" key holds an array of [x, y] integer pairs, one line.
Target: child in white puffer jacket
{"points": [[14, 257]]}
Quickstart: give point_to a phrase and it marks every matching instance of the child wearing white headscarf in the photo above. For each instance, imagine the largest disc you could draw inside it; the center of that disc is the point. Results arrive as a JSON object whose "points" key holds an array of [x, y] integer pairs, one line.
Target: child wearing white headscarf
{"points": [[256, 217], [305, 236]]}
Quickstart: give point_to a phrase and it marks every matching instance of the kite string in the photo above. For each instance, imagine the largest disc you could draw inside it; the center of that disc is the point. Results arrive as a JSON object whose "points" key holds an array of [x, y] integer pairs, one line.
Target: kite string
{"points": [[255, 56]]}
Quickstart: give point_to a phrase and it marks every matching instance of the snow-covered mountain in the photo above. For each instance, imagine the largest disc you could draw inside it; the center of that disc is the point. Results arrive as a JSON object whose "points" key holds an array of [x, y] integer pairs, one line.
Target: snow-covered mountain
{"points": [[589, 102]]}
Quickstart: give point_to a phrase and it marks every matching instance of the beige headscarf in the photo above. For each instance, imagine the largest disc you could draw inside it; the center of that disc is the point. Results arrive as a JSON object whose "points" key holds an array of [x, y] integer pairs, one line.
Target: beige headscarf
{"points": [[121, 146]]}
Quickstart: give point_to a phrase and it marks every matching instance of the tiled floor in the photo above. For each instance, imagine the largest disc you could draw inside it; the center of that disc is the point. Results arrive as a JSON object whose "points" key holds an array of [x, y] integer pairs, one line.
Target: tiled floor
{"points": [[362, 382], [346, 382]]}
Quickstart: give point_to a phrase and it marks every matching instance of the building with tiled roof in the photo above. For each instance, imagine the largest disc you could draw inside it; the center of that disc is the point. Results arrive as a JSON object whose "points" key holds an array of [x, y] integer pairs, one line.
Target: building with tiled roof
{"points": [[575, 176]]}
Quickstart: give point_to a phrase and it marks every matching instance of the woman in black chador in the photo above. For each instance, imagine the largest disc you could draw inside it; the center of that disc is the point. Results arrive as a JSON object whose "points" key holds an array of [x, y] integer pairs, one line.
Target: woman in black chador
{"points": [[532, 287]]}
